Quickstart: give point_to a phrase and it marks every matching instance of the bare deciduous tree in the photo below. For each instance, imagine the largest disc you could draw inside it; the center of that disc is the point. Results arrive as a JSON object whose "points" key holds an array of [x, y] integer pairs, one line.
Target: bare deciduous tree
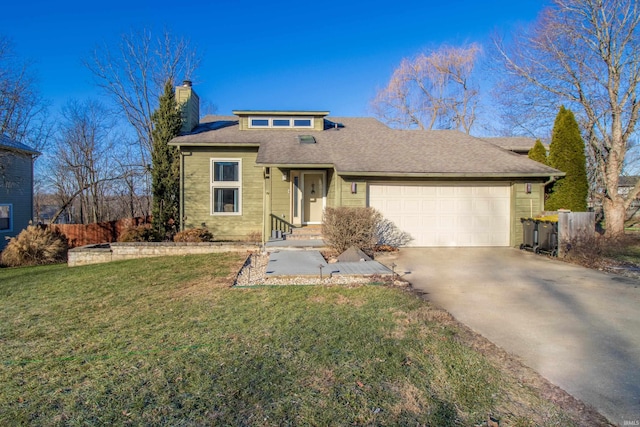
{"points": [[585, 54], [23, 112], [22, 109], [432, 90], [83, 163], [134, 72]]}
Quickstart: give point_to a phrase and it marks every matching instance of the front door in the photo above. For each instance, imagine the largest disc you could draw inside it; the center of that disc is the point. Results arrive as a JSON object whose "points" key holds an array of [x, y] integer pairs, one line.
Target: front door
{"points": [[313, 194]]}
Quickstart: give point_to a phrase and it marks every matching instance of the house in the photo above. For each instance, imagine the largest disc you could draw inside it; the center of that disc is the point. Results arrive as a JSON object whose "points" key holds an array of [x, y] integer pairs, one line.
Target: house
{"points": [[16, 187], [258, 172], [625, 185]]}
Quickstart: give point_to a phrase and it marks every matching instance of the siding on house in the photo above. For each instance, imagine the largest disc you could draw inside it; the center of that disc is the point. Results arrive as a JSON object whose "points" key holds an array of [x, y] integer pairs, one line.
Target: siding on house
{"points": [[189, 104], [280, 198], [331, 188], [196, 193], [349, 199], [524, 205], [318, 122], [16, 190], [275, 194]]}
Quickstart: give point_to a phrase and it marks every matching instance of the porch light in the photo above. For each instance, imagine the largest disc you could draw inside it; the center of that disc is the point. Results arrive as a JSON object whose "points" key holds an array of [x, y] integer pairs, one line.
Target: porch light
{"points": [[285, 176], [354, 188]]}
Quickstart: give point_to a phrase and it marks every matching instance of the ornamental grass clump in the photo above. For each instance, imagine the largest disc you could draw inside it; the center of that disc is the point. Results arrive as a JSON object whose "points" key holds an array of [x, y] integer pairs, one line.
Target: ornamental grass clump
{"points": [[35, 246], [140, 233], [194, 235]]}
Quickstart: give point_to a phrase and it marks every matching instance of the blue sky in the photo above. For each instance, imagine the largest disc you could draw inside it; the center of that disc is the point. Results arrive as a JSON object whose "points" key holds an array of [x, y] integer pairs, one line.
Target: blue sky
{"points": [[330, 55]]}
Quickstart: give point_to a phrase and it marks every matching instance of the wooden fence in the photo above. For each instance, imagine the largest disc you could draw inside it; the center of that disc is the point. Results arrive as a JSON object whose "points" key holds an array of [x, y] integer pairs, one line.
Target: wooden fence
{"points": [[101, 232], [575, 228]]}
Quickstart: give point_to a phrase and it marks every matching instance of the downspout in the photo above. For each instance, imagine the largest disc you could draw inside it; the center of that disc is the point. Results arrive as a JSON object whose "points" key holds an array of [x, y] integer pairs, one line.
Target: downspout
{"points": [[264, 206], [182, 218], [33, 166], [552, 179]]}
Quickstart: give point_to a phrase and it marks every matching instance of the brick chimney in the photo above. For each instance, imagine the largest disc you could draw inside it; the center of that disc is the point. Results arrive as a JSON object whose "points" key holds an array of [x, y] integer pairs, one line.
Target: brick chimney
{"points": [[189, 104]]}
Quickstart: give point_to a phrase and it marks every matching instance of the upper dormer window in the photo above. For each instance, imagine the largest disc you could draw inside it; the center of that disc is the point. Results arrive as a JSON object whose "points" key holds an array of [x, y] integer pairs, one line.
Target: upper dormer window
{"points": [[280, 122], [259, 123]]}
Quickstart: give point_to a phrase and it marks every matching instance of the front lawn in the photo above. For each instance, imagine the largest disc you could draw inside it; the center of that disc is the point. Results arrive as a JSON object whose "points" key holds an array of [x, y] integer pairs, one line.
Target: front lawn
{"points": [[166, 341]]}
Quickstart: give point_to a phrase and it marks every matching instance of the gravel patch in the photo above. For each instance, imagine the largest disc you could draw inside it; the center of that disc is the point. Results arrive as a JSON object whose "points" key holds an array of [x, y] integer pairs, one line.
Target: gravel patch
{"points": [[253, 273]]}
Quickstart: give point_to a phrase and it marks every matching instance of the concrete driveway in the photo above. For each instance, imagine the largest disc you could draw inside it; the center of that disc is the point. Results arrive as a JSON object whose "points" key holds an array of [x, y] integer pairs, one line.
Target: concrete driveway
{"points": [[577, 327]]}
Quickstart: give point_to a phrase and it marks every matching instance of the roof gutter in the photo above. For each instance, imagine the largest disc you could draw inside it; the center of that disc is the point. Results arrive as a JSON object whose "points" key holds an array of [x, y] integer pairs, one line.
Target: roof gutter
{"points": [[296, 165], [213, 144], [451, 175]]}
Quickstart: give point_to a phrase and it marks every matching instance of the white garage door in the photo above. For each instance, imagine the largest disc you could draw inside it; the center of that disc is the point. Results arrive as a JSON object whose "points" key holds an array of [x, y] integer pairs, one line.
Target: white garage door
{"points": [[447, 214]]}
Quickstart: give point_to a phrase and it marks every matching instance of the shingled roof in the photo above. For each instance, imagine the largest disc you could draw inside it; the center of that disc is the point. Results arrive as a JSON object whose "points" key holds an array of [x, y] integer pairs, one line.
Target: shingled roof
{"points": [[13, 145], [365, 146]]}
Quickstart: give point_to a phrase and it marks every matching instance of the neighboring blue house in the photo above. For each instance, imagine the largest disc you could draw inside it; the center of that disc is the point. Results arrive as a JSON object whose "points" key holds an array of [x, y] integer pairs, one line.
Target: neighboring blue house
{"points": [[16, 187]]}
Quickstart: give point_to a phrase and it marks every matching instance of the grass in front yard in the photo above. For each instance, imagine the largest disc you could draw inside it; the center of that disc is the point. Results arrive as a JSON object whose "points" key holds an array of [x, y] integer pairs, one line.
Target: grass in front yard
{"points": [[165, 341]]}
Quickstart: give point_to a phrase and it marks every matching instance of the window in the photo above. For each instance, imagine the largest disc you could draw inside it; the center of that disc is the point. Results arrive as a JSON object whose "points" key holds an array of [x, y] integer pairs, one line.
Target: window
{"points": [[281, 122], [5, 218], [259, 123], [302, 123], [226, 186]]}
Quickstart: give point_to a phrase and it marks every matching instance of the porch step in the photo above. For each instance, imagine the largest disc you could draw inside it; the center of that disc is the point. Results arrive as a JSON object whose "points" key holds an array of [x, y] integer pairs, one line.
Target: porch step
{"points": [[311, 232]]}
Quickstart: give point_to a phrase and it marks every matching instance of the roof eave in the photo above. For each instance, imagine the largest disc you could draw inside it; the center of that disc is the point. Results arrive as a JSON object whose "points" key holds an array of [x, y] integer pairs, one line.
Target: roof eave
{"points": [[295, 165], [214, 144], [451, 175], [20, 150]]}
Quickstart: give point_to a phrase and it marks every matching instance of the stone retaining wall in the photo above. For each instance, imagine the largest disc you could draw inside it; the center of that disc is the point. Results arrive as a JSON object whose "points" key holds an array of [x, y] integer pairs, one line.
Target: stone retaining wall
{"points": [[107, 252]]}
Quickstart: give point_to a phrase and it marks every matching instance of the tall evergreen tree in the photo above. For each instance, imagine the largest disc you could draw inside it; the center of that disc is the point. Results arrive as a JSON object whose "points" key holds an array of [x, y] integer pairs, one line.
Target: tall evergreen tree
{"points": [[538, 153], [165, 169], [567, 153]]}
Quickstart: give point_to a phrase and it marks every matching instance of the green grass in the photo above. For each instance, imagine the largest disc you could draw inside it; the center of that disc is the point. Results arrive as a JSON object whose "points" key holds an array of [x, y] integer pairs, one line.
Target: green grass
{"points": [[166, 341]]}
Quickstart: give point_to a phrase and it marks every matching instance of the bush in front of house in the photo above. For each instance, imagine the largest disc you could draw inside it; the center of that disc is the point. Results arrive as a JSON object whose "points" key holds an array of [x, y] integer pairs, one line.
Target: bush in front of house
{"points": [[193, 235], [343, 227], [35, 246], [140, 233], [538, 152], [388, 235], [566, 153]]}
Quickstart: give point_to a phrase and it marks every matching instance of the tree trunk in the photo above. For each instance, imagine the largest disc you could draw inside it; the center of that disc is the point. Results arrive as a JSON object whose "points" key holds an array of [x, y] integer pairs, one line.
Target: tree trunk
{"points": [[614, 214]]}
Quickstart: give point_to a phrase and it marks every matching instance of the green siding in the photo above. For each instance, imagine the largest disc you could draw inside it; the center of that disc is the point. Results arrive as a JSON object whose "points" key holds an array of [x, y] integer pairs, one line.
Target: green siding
{"points": [[318, 122], [349, 199], [263, 197], [189, 104], [332, 185], [280, 194], [243, 122], [196, 194], [524, 205]]}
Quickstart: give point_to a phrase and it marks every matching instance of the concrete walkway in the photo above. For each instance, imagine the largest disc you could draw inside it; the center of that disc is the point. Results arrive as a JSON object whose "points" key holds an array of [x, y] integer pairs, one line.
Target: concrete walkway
{"points": [[309, 262], [294, 245], [577, 327]]}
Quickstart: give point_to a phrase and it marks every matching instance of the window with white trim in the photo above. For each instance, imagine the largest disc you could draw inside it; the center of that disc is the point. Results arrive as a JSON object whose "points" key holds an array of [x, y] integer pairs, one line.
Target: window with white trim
{"points": [[281, 122], [226, 186], [5, 218]]}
